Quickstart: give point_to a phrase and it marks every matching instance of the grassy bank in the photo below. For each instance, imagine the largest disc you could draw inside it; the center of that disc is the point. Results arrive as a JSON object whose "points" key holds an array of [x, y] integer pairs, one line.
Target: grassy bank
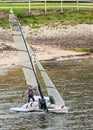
{"points": [[67, 18], [83, 49]]}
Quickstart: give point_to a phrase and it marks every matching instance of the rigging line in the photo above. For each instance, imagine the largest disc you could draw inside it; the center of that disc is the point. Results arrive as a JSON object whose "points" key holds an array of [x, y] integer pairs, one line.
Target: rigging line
{"points": [[39, 88]]}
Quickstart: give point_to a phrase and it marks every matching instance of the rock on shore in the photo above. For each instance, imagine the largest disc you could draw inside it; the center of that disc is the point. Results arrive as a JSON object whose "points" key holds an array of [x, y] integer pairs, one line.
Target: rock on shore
{"points": [[65, 36]]}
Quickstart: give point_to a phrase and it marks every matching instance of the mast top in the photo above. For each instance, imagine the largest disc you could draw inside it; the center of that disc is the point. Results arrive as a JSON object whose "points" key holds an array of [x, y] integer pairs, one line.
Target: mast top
{"points": [[11, 11]]}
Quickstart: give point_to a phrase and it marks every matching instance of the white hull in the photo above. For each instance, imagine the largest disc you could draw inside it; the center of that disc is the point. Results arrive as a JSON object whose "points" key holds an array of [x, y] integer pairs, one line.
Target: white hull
{"points": [[20, 109], [33, 107], [63, 110]]}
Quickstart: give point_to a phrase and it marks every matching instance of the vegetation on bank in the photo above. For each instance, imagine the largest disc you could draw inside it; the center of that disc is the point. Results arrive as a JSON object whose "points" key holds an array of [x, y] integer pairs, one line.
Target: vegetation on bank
{"points": [[83, 49], [66, 18]]}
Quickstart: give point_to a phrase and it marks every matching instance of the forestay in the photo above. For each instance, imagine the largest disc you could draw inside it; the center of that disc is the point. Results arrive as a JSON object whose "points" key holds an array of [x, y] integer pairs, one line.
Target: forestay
{"points": [[23, 51]]}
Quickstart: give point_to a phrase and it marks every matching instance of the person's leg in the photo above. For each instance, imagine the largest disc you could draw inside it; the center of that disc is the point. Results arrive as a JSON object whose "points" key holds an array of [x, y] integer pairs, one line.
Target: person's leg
{"points": [[33, 98], [28, 98]]}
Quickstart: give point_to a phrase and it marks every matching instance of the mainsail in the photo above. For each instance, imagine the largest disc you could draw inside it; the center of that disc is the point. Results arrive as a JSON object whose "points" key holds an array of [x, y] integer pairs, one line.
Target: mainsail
{"points": [[25, 55], [23, 51]]}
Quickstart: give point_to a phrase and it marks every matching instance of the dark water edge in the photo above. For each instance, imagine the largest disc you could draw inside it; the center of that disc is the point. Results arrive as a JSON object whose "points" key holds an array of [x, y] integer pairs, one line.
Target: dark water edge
{"points": [[74, 81]]}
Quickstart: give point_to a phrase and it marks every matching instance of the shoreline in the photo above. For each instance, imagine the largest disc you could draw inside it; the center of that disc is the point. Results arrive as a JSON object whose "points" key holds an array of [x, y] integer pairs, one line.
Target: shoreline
{"points": [[9, 59], [43, 53], [47, 43]]}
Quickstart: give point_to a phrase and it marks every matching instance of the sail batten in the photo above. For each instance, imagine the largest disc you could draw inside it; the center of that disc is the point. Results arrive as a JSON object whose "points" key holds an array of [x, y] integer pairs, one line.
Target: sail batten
{"points": [[27, 68], [15, 34], [21, 50], [50, 87]]}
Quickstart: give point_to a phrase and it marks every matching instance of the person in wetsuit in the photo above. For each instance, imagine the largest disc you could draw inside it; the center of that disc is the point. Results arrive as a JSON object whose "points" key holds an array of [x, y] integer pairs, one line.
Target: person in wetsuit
{"points": [[30, 94]]}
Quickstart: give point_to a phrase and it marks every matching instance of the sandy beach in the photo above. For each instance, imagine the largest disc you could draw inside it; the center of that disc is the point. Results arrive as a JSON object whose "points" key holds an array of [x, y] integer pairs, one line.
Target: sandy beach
{"points": [[44, 53], [10, 60]]}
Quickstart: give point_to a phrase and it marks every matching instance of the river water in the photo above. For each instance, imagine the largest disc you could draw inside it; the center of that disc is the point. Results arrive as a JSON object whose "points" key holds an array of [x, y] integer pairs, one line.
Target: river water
{"points": [[74, 81]]}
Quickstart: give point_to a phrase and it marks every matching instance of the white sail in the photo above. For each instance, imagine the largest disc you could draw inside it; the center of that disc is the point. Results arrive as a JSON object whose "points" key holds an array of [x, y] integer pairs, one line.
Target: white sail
{"points": [[23, 51], [27, 56], [51, 89]]}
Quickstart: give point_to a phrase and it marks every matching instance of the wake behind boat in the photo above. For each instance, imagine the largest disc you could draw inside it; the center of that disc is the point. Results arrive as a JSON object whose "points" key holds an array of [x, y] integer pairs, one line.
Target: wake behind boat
{"points": [[53, 102]]}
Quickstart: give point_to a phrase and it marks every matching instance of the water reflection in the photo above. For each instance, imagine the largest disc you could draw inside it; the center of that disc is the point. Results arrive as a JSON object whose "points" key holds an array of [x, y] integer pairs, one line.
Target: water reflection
{"points": [[73, 79]]}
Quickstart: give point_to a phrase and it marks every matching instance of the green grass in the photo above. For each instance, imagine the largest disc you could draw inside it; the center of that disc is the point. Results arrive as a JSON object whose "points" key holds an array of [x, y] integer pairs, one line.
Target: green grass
{"points": [[11, 4], [83, 49], [54, 5], [5, 4], [69, 18], [66, 18]]}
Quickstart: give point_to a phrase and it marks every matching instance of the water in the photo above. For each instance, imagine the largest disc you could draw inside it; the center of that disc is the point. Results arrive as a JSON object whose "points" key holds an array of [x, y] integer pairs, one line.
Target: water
{"points": [[74, 81]]}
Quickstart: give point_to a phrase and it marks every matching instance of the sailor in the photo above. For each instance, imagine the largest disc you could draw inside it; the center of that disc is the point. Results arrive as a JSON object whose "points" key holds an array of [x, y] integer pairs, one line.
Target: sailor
{"points": [[42, 104], [30, 94]]}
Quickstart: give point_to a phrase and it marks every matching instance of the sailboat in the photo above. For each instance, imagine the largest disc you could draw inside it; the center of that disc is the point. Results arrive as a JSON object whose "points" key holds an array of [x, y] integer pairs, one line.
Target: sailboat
{"points": [[28, 60]]}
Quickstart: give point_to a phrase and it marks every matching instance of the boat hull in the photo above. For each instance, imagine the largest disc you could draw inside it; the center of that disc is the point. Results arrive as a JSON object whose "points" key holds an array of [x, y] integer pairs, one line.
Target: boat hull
{"points": [[34, 107], [58, 111]]}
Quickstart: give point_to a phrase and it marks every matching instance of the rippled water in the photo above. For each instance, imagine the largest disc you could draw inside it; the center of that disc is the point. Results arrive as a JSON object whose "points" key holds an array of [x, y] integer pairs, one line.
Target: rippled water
{"points": [[74, 81]]}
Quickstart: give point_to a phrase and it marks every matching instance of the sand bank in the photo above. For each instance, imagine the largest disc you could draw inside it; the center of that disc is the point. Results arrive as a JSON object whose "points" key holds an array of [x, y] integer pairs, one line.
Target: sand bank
{"points": [[46, 43], [9, 58]]}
